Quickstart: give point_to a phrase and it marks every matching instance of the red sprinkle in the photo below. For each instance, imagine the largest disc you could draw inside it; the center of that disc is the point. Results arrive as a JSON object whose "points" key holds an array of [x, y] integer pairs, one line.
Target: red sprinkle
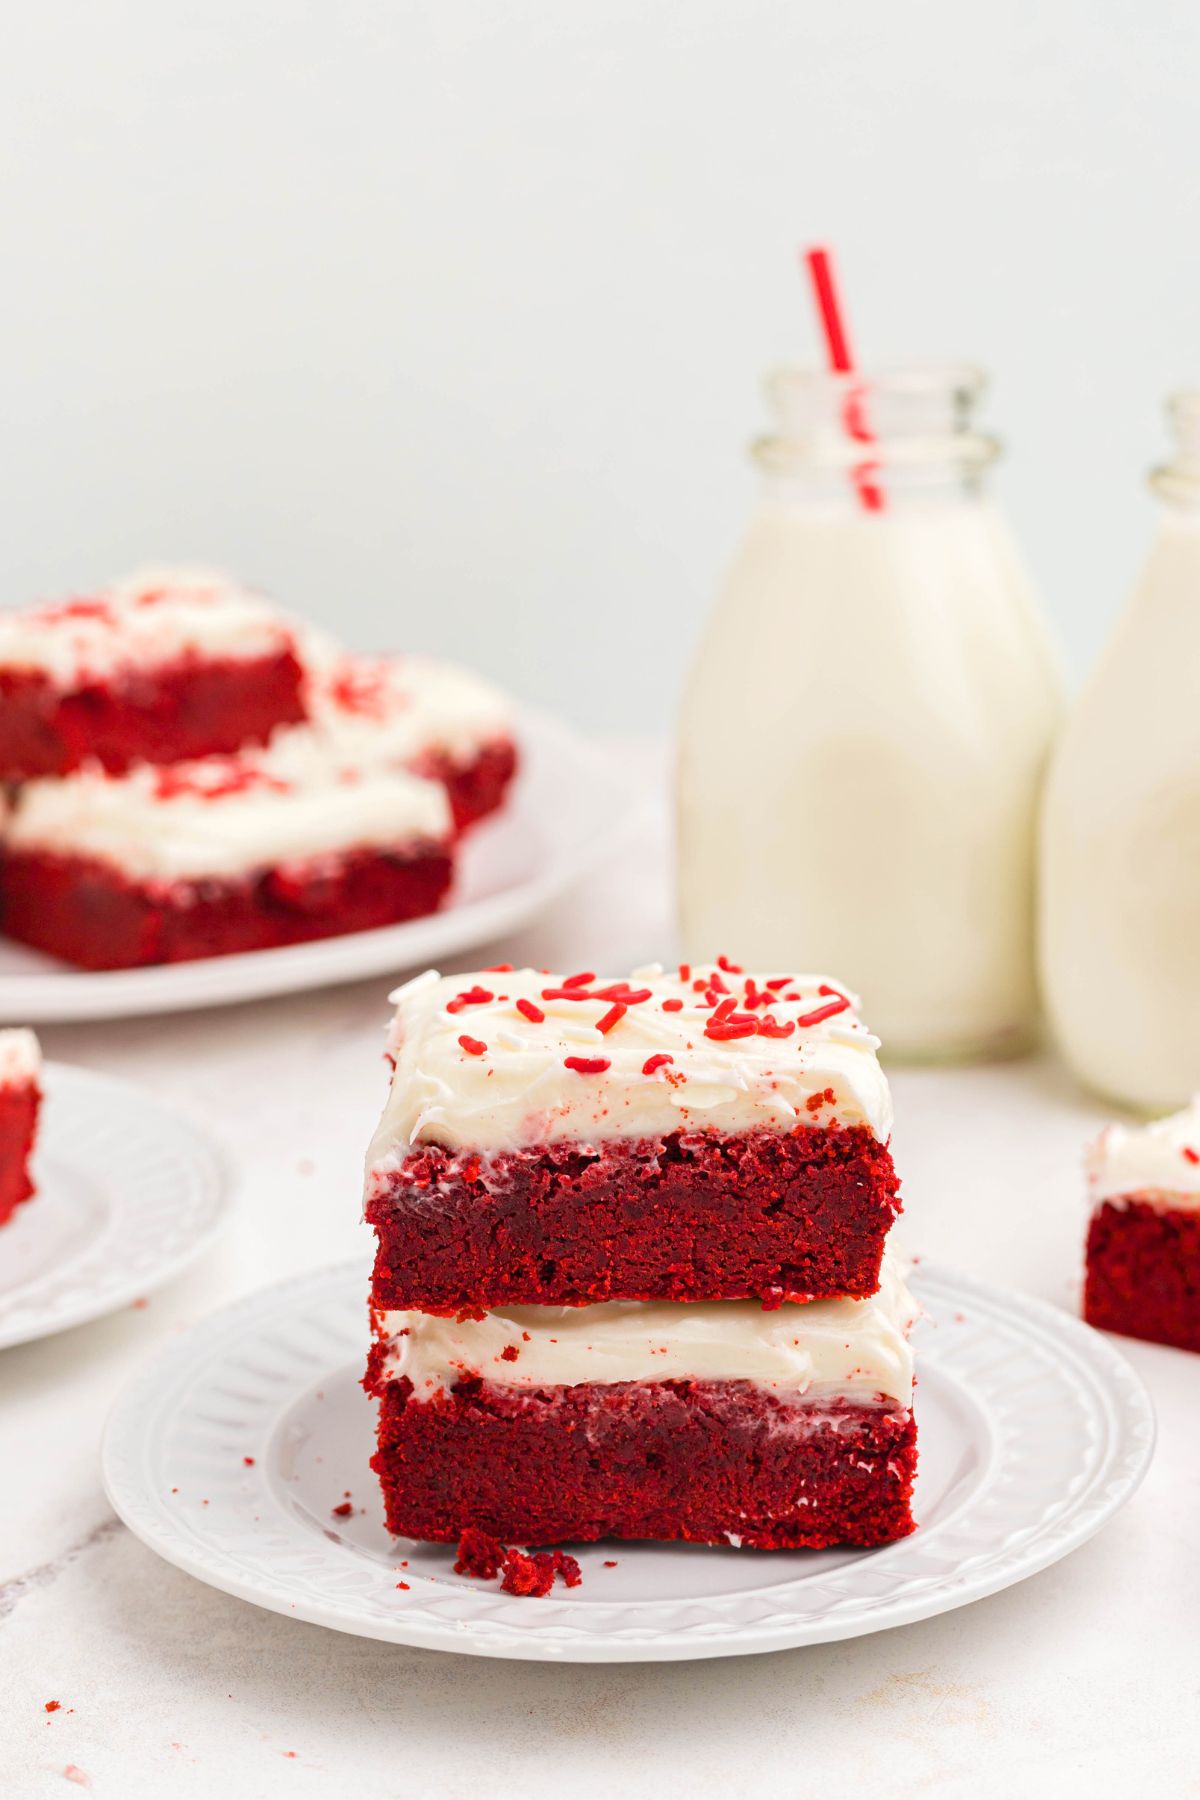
{"points": [[472, 1046], [830, 993], [771, 1028], [1193, 1156], [530, 1011], [839, 1005], [672, 1005], [587, 1065], [725, 1033], [723, 1011], [730, 968], [685, 971], [567, 993], [656, 1062], [613, 1016], [776, 982], [499, 969], [574, 981], [717, 985], [473, 996]]}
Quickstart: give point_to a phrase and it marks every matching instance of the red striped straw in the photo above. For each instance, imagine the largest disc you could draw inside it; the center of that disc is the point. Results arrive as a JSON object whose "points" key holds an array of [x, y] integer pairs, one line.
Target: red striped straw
{"points": [[841, 361]]}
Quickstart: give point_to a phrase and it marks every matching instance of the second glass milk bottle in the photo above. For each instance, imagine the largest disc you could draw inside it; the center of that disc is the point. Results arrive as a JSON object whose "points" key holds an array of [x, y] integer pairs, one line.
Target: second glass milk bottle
{"points": [[866, 725], [1120, 910]]}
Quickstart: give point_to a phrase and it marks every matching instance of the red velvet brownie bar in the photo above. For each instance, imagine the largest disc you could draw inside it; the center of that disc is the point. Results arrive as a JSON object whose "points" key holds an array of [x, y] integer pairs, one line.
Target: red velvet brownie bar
{"points": [[1143, 1243], [20, 1103], [720, 1423], [697, 1134], [217, 856], [158, 668], [412, 712]]}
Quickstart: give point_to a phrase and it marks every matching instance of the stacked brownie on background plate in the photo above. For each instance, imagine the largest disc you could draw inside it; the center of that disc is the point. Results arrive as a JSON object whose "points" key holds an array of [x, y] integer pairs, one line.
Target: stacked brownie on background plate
{"points": [[193, 772], [631, 1278]]}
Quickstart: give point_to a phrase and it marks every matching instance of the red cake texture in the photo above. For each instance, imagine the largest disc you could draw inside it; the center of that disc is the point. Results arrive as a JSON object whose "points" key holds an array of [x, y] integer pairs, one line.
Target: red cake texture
{"points": [[165, 713], [20, 1103], [475, 788], [772, 1215], [89, 914], [714, 1462], [1143, 1272]]}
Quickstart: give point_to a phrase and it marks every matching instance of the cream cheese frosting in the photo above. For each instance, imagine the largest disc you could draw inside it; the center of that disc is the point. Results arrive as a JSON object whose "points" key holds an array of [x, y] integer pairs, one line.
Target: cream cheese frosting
{"points": [[378, 711], [1157, 1163], [222, 816], [826, 1350], [20, 1057], [505, 1058], [147, 619]]}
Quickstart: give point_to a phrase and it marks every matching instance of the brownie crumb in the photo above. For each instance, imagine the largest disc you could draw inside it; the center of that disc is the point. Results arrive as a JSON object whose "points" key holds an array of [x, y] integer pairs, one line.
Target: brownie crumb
{"points": [[478, 1554], [343, 1511]]}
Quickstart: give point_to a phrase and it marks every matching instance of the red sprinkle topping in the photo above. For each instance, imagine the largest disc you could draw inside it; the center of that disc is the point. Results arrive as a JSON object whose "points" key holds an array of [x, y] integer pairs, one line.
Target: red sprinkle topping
{"points": [[839, 1005], [620, 990], [472, 1046], [730, 968], [530, 1011], [685, 971], [723, 1011], [574, 981], [656, 1062], [771, 1028], [1193, 1156], [472, 996], [499, 969], [830, 993], [672, 1006], [613, 1016], [567, 993], [717, 985], [587, 1065], [725, 1033], [776, 982]]}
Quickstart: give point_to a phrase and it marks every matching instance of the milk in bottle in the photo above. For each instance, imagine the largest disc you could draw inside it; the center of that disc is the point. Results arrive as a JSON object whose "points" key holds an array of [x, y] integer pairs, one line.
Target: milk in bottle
{"points": [[1120, 905], [866, 724]]}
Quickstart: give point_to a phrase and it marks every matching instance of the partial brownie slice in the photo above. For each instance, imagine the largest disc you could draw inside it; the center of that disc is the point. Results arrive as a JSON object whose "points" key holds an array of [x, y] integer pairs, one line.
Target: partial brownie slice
{"points": [[159, 668], [1143, 1243], [698, 1134], [417, 713], [20, 1105], [217, 856], [718, 1423]]}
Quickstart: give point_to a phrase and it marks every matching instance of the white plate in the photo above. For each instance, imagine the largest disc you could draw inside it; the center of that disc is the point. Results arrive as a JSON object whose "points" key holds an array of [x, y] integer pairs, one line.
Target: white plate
{"points": [[1032, 1429], [128, 1192], [566, 808]]}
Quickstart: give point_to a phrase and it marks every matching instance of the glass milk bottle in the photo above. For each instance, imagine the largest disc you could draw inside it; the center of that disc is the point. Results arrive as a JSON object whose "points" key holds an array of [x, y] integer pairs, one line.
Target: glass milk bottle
{"points": [[1120, 906], [866, 724]]}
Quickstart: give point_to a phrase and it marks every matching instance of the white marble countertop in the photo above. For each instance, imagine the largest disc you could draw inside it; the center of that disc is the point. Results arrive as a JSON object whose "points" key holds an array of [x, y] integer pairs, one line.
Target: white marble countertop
{"points": [[1082, 1680]]}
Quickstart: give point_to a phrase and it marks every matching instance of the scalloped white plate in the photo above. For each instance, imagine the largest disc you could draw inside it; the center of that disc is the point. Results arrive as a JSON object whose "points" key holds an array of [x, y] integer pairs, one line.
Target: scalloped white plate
{"points": [[1033, 1431], [128, 1192], [567, 807]]}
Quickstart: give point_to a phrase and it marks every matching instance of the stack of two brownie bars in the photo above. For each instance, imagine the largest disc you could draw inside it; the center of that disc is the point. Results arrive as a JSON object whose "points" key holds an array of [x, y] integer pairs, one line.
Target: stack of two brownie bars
{"points": [[630, 1278]]}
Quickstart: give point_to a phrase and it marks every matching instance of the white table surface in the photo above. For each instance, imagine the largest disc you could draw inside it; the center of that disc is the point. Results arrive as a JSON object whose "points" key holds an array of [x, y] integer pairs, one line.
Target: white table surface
{"points": [[1082, 1680]]}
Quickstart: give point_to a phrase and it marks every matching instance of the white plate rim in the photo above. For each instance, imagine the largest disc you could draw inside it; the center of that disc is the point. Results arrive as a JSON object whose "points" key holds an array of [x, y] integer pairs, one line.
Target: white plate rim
{"points": [[210, 1168], [59, 995], [1131, 1417]]}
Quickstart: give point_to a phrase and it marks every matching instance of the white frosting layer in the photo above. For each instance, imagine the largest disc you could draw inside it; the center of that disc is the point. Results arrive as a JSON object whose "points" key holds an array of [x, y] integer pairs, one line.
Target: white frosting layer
{"points": [[144, 620], [825, 1350], [1158, 1163], [379, 711], [20, 1057], [223, 816], [520, 1091]]}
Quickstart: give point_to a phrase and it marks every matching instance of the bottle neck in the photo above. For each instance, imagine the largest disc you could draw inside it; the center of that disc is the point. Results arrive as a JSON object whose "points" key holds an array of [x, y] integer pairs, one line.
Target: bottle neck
{"points": [[874, 442], [1178, 481]]}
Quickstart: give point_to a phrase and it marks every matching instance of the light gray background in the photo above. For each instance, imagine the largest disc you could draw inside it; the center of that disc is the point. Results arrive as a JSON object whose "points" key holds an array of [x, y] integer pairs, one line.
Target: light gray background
{"points": [[445, 319]]}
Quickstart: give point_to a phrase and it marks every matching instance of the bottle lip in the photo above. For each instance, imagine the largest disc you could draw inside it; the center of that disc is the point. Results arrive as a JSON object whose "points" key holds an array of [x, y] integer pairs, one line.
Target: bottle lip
{"points": [[957, 378], [913, 416]]}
